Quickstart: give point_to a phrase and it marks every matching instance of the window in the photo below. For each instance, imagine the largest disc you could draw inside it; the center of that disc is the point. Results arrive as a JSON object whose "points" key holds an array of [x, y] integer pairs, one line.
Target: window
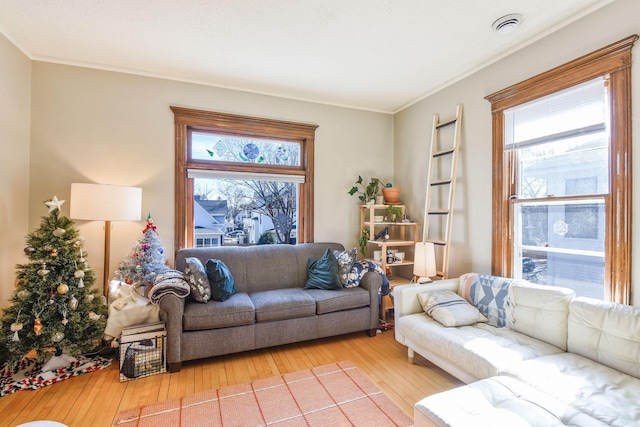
{"points": [[238, 177], [562, 178]]}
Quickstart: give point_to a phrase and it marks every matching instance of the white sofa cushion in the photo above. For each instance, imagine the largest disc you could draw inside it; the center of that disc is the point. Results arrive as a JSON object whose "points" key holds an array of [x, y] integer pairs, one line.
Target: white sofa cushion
{"points": [[497, 401], [481, 350], [449, 308], [541, 312], [606, 332], [588, 386]]}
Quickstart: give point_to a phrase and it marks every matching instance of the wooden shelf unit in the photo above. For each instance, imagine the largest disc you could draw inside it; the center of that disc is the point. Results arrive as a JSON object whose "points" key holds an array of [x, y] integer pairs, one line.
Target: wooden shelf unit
{"points": [[401, 234]]}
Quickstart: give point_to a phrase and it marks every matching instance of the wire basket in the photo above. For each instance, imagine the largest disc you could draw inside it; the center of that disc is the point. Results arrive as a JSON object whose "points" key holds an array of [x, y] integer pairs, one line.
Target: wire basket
{"points": [[142, 354]]}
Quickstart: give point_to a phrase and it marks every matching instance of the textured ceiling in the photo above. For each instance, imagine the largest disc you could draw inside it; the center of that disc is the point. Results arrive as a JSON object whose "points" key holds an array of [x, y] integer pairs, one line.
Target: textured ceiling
{"points": [[379, 55]]}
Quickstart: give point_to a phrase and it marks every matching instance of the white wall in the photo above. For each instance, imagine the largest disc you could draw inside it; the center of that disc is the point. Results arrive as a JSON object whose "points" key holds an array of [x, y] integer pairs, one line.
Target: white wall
{"points": [[115, 128], [14, 162], [471, 237]]}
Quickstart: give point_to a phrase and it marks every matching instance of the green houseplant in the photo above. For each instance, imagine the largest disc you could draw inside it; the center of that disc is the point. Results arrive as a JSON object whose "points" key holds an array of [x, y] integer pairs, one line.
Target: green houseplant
{"points": [[366, 192], [395, 213], [364, 240]]}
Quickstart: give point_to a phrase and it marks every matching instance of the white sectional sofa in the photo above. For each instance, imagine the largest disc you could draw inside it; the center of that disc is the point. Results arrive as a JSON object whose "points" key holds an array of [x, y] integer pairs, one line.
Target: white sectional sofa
{"points": [[543, 358]]}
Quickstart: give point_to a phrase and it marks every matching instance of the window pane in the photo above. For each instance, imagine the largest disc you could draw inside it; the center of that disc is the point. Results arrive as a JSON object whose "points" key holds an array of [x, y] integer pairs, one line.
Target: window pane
{"points": [[567, 167], [562, 244], [574, 110], [212, 146], [244, 212]]}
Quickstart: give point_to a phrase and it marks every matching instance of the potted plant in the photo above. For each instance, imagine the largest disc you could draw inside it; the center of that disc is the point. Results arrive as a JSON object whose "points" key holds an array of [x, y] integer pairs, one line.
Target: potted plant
{"points": [[364, 240], [368, 192], [395, 213], [391, 194]]}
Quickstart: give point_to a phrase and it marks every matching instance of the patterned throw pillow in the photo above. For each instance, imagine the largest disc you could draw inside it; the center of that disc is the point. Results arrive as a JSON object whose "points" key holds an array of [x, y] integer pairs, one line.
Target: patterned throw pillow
{"points": [[449, 308], [362, 267], [198, 280], [346, 259], [490, 294]]}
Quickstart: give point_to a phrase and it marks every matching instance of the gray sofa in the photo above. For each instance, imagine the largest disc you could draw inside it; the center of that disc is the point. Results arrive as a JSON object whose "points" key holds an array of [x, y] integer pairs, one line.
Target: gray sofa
{"points": [[270, 307]]}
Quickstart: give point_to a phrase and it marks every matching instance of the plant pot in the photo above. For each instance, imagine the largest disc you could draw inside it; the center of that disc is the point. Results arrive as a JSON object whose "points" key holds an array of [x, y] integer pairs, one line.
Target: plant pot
{"points": [[391, 195]]}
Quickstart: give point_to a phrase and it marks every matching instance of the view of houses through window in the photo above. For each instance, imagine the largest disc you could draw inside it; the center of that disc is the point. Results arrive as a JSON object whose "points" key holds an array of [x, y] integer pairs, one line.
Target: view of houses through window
{"points": [[244, 208]]}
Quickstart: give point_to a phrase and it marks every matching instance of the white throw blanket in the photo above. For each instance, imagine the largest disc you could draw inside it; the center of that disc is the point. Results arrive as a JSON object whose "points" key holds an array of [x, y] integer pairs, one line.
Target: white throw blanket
{"points": [[128, 309]]}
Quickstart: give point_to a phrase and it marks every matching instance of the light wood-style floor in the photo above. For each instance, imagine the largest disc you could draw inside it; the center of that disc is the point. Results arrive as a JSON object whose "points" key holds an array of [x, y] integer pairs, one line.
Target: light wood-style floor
{"points": [[95, 399]]}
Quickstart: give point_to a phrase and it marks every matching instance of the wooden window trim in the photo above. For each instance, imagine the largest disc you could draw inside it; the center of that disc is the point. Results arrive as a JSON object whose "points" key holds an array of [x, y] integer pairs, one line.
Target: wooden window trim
{"points": [[186, 119], [613, 60]]}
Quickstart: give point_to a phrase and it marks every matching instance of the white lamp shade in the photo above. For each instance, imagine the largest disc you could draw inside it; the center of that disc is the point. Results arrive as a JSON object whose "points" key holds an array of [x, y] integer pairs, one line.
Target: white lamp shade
{"points": [[424, 260], [100, 202]]}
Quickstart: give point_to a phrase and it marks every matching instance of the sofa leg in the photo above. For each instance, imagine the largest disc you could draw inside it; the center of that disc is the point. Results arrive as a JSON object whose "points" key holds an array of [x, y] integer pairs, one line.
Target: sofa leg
{"points": [[175, 367], [372, 332], [410, 355]]}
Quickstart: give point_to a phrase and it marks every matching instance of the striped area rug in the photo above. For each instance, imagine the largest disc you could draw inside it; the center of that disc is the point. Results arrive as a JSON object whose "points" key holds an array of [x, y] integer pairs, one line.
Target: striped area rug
{"points": [[332, 395]]}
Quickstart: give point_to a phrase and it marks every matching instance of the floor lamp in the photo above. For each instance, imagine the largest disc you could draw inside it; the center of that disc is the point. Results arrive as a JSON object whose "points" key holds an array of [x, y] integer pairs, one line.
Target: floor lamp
{"points": [[100, 202], [424, 262]]}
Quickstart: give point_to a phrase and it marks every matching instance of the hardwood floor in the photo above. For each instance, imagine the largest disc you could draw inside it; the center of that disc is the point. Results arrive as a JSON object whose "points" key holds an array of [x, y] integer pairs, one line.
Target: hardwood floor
{"points": [[95, 399]]}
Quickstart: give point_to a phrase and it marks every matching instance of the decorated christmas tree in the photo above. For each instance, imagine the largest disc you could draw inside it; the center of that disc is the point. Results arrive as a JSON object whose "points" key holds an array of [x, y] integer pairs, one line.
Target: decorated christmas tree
{"points": [[54, 306], [145, 260]]}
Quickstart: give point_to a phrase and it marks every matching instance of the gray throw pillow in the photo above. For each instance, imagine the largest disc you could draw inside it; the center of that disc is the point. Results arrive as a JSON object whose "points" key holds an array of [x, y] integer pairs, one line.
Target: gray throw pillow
{"points": [[198, 280], [346, 259], [323, 272], [220, 280]]}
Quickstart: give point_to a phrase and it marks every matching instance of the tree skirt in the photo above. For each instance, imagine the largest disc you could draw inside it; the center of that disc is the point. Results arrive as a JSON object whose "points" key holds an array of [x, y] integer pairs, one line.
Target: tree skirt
{"points": [[30, 374]]}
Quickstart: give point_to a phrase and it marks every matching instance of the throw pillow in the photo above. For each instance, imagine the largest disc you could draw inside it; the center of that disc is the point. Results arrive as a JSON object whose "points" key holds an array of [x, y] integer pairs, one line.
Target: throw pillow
{"points": [[449, 308], [490, 294], [323, 272], [198, 280], [346, 259], [221, 280]]}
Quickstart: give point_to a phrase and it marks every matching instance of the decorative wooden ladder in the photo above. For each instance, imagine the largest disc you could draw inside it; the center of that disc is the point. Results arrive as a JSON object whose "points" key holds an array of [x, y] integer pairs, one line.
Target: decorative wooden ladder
{"points": [[442, 182]]}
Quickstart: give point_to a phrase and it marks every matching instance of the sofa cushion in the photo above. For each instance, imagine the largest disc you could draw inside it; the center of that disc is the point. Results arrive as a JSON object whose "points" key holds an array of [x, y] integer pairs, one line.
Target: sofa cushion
{"points": [[541, 312], [198, 280], [237, 310], [481, 350], [498, 401], [282, 304], [606, 332], [449, 308], [343, 299], [323, 272], [489, 293], [346, 259], [588, 386], [220, 280]]}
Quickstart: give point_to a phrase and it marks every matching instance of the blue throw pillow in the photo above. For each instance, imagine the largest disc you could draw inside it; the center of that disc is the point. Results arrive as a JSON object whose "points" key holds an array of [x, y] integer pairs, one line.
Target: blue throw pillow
{"points": [[323, 272], [221, 280]]}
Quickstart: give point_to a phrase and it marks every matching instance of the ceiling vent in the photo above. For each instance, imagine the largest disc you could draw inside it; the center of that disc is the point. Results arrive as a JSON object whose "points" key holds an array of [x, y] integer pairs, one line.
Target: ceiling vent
{"points": [[507, 23]]}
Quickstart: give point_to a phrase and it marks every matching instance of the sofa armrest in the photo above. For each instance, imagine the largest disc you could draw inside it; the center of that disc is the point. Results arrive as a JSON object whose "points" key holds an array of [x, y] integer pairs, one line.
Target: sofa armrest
{"points": [[372, 282], [405, 297], [173, 308]]}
